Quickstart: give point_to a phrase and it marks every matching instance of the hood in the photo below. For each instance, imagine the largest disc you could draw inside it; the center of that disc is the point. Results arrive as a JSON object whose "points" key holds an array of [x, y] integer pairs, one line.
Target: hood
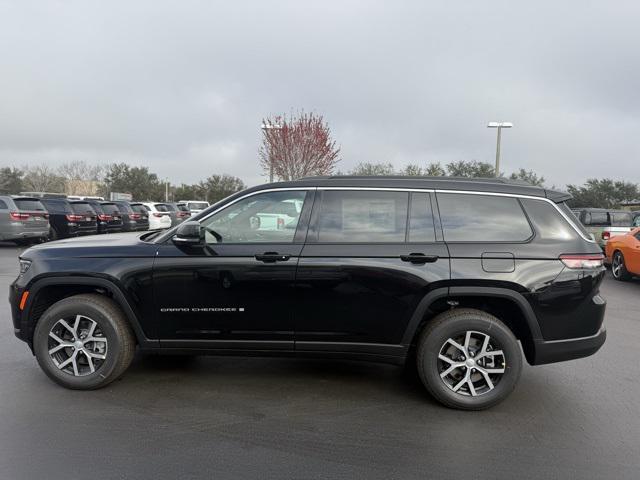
{"points": [[127, 244]]}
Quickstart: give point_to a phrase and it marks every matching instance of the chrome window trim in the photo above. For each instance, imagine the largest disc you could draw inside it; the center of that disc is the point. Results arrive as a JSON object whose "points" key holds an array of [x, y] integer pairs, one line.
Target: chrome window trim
{"points": [[400, 189]]}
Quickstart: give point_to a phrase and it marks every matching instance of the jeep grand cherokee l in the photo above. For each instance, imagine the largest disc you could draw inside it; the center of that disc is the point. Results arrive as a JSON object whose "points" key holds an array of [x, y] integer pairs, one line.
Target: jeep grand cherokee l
{"points": [[453, 275]]}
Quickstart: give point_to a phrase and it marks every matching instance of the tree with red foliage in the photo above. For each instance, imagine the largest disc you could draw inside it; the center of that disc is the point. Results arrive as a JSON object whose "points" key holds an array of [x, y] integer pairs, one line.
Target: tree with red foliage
{"points": [[297, 147]]}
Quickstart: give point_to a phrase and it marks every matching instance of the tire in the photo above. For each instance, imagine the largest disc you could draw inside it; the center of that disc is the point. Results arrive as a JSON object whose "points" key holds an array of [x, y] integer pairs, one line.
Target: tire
{"points": [[114, 340], [502, 354], [619, 268], [53, 235]]}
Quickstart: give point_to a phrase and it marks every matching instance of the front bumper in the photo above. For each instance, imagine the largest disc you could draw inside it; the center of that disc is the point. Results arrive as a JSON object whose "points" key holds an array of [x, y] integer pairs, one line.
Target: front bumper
{"points": [[561, 350]]}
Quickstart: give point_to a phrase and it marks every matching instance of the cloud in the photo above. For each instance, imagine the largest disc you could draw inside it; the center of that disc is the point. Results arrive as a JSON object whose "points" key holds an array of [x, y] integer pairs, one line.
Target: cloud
{"points": [[181, 87]]}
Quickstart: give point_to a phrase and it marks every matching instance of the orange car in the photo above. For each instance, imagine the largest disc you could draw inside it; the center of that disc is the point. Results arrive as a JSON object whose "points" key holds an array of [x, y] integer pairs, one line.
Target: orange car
{"points": [[623, 252]]}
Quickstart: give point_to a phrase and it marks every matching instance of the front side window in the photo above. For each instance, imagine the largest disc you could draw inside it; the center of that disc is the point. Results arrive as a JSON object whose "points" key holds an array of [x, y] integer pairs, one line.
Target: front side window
{"points": [[482, 218], [362, 216], [270, 217]]}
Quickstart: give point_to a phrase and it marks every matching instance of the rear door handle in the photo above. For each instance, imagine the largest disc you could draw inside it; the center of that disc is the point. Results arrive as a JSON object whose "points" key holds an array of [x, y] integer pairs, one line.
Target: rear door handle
{"points": [[419, 258], [272, 257]]}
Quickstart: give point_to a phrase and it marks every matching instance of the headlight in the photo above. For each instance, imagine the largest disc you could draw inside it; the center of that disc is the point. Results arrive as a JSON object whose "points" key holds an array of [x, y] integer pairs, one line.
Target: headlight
{"points": [[24, 266]]}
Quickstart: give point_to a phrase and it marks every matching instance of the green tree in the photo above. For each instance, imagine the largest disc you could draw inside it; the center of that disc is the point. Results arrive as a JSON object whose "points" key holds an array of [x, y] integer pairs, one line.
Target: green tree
{"points": [[470, 169], [372, 169], [602, 193], [11, 180], [434, 170], [528, 176], [137, 181], [217, 187]]}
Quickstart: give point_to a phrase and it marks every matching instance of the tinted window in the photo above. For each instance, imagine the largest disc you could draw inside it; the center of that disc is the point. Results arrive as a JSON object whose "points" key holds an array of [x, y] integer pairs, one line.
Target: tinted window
{"points": [[548, 222], [29, 205], [421, 228], [58, 207], [265, 217], [182, 207], [482, 218], [3, 205], [596, 218], [363, 216], [198, 205], [110, 209], [83, 209], [139, 208], [621, 219], [171, 208], [636, 221], [124, 207], [161, 207]]}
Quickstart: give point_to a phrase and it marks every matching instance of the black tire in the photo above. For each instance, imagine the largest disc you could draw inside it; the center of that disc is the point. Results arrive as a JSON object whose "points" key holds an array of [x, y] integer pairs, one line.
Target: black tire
{"points": [[53, 235], [113, 325], [453, 324], [619, 268]]}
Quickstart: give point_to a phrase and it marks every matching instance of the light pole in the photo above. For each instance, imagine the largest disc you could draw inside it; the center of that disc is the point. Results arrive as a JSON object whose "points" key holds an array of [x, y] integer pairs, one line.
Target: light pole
{"points": [[499, 126], [265, 127]]}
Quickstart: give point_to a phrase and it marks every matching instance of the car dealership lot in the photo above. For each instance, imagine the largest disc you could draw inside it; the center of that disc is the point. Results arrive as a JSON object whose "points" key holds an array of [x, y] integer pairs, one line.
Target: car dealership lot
{"points": [[220, 417]]}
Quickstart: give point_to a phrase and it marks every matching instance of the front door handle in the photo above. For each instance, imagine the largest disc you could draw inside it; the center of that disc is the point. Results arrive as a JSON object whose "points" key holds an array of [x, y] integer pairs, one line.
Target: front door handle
{"points": [[272, 257], [419, 258]]}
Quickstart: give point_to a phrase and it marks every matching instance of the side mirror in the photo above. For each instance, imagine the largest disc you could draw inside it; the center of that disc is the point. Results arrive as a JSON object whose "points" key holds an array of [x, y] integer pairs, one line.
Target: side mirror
{"points": [[188, 234]]}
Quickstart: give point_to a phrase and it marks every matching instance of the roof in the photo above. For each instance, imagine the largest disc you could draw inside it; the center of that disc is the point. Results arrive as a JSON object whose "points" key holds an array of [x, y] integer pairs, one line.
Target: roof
{"points": [[489, 185]]}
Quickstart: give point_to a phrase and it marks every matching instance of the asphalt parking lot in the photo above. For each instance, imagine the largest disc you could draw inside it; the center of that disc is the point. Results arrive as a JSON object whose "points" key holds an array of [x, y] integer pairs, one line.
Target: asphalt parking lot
{"points": [[214, 417]]}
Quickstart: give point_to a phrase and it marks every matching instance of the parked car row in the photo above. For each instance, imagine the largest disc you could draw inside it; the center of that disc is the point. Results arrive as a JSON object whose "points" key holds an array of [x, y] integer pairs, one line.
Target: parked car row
{"points": [[604, 224], [30, 219]]}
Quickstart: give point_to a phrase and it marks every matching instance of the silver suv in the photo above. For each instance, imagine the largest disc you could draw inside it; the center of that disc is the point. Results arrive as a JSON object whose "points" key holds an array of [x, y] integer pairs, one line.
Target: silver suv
{"points": [[23, 220]]}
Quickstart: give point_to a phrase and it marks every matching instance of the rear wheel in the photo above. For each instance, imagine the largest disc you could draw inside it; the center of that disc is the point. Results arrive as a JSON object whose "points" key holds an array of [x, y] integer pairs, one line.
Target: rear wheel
{"points": [[618, 267], [468, 359], [84, 342]]}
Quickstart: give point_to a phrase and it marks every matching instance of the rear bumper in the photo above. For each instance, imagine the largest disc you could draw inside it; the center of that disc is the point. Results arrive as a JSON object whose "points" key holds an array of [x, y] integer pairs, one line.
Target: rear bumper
{"points": [[561, 350], [19, 235]]}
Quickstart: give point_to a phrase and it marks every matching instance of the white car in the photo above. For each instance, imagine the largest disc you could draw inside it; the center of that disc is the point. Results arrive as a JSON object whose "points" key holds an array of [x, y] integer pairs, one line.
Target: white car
{"points": [[195, 206], [159, 218]]}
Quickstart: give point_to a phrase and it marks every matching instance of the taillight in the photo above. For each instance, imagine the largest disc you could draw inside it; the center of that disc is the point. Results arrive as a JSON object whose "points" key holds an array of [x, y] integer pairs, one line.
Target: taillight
{"points": [[46, 215], [280, 223], [606, 235], [19, 216], [134, 216], [104, 218], [158, 215], [74, 218], [595, 260], [183, 214]]}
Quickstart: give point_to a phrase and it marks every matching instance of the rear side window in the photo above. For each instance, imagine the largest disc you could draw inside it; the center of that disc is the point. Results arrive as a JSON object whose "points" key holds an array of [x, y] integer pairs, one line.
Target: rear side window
{"points": [[29, 205], [482, 218], [596, 218], [421, 226], [548, 222], [621, 219], [362, 216], [83, 209]]}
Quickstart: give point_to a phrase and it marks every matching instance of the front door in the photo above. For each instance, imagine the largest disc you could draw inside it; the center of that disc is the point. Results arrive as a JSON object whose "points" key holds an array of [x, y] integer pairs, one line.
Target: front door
{"points": [[236, 290], [370, 257]]}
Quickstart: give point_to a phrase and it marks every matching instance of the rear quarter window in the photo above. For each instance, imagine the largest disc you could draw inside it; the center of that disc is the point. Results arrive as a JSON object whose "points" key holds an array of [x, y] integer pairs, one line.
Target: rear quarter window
{"points": [[548, 222], [482, 218], [3, 205]]}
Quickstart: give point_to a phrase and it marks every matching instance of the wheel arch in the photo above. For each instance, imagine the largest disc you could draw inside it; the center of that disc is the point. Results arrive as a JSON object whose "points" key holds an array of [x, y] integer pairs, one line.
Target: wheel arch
{"points": [[46, 291], [509, 306]]}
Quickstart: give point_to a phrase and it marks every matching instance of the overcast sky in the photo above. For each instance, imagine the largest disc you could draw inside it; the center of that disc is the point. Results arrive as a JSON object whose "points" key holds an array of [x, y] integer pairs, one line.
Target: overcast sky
{"points": [[181, 87]]}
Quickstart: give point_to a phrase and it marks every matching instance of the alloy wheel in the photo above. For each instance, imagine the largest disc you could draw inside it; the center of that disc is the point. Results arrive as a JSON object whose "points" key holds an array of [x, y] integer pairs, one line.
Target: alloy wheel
{"points": [[77, 346], [616, 265], [471, 364]]}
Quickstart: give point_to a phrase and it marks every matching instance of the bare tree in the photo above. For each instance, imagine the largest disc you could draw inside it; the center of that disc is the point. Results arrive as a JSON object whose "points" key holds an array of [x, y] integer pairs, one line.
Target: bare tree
{"points": [[298, 147], [42, 178], [81, 178]]}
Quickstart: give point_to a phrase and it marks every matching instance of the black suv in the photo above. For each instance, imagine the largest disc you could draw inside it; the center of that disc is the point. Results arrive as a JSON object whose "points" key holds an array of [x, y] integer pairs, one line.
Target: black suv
{"points": [[69, 219], [450, 274]]}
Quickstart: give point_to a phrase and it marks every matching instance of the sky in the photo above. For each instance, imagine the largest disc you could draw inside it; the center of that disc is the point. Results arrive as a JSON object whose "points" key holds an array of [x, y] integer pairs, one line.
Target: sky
{"points": [[181, 87]]}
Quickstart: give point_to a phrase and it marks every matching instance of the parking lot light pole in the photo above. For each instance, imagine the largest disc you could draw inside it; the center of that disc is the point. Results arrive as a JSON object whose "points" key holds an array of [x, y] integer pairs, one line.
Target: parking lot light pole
{"points": [[265, 127], [499, 126]]}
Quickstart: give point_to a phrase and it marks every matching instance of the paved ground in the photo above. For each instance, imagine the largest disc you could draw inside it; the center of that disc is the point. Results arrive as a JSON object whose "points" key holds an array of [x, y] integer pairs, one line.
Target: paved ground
{"points": [[284, 418]]}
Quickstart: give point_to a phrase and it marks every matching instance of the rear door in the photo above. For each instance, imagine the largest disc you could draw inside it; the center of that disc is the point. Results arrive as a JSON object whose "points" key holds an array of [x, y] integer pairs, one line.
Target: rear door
{"points": [[370, 257]]}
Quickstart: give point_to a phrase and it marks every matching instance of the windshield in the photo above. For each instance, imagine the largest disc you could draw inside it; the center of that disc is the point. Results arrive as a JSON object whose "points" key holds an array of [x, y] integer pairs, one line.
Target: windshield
{"points": [[198, 205]]}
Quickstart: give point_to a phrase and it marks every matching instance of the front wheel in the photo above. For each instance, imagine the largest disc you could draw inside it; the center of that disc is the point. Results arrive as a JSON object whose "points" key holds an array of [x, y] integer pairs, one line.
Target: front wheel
{"points": [[468, 359], [84, 342]]}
